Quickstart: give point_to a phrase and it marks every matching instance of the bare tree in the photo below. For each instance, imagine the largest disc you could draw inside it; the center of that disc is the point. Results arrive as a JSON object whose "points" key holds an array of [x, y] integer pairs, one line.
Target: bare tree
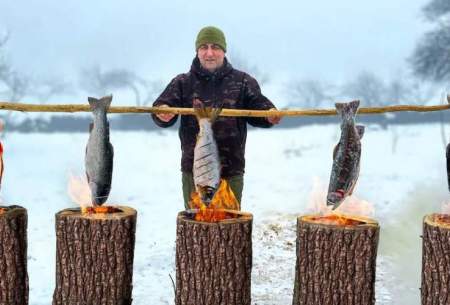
{"points": [[431, 57], [309, 93], [366, 87], [238, 61], [98, 82]]}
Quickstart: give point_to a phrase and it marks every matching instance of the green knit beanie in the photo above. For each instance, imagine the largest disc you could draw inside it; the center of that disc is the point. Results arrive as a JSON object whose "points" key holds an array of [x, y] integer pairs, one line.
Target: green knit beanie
{"points": [[211, 34]]}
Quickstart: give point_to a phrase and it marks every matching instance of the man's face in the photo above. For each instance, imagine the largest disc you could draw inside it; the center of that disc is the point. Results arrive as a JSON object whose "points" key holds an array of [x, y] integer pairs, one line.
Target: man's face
{"points": [[211, 56]]}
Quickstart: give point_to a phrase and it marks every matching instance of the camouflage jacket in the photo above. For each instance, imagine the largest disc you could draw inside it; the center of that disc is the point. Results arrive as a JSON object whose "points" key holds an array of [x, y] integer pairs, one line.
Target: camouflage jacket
{"points": [[226, 87]]}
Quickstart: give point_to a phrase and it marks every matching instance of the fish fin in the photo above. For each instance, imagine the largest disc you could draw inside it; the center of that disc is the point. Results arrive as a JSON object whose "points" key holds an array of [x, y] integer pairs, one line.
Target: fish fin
{"points": [[102, 103], [360, 129], [347, 110], [335, 150]]}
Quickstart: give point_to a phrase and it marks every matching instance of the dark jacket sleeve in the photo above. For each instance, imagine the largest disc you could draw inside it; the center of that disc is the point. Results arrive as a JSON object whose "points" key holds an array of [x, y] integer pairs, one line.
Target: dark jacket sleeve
{"points": [[255, 100], [171, 96]]}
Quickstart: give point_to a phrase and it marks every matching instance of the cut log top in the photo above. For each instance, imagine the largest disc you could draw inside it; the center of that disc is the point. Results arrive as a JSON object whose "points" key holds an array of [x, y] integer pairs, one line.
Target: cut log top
{"points": [[76, 213], [239, 216], [356, 222], [438, 220], [11, 211]]}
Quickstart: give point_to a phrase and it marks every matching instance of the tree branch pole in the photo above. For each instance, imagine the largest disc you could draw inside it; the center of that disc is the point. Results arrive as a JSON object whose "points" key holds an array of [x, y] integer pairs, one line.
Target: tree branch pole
{"points": [[225, 112]]}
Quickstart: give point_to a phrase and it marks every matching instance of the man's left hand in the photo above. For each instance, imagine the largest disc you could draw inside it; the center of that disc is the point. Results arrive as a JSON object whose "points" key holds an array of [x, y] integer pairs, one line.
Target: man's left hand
{"points": [[274, 119]]}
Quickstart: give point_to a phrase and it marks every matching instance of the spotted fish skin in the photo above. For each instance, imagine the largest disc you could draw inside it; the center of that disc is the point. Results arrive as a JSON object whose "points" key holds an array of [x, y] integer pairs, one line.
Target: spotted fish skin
{"points": [[206, 168], [346, 155], [99, 152]]}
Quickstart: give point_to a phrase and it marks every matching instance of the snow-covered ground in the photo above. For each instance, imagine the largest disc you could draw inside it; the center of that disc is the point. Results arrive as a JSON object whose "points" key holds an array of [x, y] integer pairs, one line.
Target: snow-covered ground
{"points": [[281, 166]]}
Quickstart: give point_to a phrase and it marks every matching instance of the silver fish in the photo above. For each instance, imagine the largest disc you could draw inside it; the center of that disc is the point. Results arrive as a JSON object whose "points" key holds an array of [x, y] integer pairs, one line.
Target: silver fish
{"points": [[99, 152], [346, 155], [206, 168]]}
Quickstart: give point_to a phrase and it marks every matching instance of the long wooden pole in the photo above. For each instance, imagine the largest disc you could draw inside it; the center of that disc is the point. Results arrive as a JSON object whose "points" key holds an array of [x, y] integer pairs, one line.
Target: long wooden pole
{"points": [[225, 112]]}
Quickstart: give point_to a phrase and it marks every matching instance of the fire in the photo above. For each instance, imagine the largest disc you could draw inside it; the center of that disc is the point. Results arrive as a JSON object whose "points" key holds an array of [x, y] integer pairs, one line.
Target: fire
{"points": [[352, 205], [442, 218], [80, 193], [337, 220], [99, 210], [2, 210], [223, 199]]}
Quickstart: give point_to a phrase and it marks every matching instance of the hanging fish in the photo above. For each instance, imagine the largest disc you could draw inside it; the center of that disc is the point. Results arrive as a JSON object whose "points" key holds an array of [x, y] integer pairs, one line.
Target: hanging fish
{"points": [[206, 168], [346, 155], [99, 152]]}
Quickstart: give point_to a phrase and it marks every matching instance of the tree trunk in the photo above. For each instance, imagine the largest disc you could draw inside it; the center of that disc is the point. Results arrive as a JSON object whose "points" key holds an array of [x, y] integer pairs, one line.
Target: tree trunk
{"points": [[436, 260], [335, 263], [94, 257], [13, 256], [214, 261]]}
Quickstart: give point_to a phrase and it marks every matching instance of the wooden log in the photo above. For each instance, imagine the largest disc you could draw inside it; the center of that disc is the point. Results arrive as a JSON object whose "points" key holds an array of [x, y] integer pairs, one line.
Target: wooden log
{"points": [[94, 257], [214, 260], [435, 288], [336, 261], [13, 256]]}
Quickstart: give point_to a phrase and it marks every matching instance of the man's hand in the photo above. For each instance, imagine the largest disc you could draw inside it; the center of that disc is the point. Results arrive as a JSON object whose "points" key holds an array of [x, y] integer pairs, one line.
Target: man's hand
{"points": [[165, 117], [273, 119]]}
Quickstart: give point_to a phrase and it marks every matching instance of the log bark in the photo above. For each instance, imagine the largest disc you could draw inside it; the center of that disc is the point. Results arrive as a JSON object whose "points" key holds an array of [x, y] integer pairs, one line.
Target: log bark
{"points": [[13, 256], [335, 263], [435, 288], [214, 261], [94, 257]]}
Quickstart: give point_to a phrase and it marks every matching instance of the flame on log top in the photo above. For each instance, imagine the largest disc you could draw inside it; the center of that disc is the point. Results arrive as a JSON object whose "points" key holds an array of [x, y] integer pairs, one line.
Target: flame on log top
{"points": [[339, 220], [442, 220], [103, 212], [11, 209], [223, 216]]}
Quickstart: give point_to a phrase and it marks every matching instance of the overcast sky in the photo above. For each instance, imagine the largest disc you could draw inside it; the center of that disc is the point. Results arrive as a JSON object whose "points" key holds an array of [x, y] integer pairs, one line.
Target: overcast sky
{"points": [[325, 39]]}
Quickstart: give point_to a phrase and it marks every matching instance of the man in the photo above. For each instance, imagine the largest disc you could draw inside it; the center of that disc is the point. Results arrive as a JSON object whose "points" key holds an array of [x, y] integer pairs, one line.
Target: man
{"points": [[215, 82]]}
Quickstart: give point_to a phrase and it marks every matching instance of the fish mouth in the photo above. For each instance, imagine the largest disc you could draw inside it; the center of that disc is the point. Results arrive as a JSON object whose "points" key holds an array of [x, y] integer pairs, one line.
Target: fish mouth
{"points": [[335, 199], [206, 194]]}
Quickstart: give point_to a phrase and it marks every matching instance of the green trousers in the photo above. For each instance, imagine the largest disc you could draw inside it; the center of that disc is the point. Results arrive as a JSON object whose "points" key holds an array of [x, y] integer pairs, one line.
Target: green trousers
{"points": [[236, 184]]}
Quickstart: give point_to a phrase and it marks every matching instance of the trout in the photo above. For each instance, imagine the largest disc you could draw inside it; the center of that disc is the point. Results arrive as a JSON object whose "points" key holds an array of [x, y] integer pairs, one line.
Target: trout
{"points": [[346, 155], [99, 152], [206, 168]]}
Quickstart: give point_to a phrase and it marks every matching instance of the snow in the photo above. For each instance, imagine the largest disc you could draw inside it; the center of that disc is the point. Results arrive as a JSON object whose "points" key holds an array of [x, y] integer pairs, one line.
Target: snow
{"points": [[281, 167]]}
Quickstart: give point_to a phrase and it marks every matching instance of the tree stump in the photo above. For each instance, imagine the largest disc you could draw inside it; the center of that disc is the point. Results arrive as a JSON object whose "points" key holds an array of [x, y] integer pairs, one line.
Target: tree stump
{"points": [[435, 288], [214, 260], [94, 257], [336, 260], [13, 256]]}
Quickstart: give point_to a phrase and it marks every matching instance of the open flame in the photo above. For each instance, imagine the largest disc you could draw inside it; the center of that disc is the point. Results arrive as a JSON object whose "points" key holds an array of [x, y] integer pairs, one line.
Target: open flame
{"points": [[442, 218], [352, 205], [337, 220], [223, 199], [2, 210], [79, 192]]}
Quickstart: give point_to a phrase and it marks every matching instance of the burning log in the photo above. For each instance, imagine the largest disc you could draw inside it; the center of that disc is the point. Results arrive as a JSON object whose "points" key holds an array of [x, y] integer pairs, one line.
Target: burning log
{"points": [[435, 259], [336, 260], [214, 259], [13, 256], [94, 256]]}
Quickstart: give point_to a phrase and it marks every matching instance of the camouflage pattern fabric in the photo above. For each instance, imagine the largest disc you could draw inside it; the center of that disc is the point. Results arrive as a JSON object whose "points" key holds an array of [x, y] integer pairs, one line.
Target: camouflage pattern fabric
{"points": [[226, 88]]}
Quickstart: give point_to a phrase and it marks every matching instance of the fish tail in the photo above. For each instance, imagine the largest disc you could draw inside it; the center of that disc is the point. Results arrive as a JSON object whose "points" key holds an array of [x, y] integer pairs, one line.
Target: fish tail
{"points": [[347, 110], [360, 129], [204, 112], [100, 104]]}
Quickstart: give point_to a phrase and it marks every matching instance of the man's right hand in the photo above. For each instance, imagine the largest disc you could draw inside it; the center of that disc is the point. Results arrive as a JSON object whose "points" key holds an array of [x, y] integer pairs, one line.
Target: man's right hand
{"points": [[165, 117]]}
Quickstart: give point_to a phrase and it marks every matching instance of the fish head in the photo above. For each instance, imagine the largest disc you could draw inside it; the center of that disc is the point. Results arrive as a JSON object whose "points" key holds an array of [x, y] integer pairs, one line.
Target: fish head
{"points": [[206, 193], [335, 198], [99, 193]]}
